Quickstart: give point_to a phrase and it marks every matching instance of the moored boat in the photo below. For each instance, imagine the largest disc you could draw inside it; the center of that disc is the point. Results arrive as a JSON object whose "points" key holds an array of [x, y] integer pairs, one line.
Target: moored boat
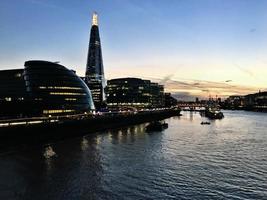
{"points": [[213, 113], [156, 126]]}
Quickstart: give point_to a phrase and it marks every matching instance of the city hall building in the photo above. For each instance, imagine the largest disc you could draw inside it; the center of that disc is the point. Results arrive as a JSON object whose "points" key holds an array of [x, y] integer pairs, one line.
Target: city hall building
{"points": [[42, 88]]}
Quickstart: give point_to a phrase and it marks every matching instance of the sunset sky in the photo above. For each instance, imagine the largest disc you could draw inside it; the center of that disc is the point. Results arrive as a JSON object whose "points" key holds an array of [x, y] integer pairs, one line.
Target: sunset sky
{"points": [[194, 47]]}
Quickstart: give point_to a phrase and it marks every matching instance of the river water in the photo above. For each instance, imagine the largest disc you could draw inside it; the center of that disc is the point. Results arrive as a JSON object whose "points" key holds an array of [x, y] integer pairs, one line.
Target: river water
{"points": [[224, 160]]}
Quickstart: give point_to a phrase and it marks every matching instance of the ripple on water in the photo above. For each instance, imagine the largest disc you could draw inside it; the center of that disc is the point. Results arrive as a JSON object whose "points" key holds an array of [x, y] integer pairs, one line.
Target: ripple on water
{"points": [[226, 160]]}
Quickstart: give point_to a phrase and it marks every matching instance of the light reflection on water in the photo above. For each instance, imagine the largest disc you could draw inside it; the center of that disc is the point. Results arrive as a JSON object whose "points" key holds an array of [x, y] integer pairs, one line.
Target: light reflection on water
{"points": [[224, 160]]}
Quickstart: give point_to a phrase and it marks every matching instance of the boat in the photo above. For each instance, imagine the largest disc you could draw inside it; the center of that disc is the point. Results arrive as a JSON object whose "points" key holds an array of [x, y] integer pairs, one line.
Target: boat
{"points": [[213, 113], [156, 126], [165, 125]]}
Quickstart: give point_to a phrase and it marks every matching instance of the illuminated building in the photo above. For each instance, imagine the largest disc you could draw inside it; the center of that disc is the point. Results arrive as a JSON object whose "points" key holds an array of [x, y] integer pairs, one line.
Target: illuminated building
{"points": [[134, 93], [94, 76], [41, 89]]}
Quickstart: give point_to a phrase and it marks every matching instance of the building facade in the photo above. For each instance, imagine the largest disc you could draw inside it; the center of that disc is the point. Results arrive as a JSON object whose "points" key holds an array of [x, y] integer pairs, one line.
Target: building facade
{"points": [[13, 96], [94, 75], [134, 93], [233, 102], [43, 88], [256, 102]]}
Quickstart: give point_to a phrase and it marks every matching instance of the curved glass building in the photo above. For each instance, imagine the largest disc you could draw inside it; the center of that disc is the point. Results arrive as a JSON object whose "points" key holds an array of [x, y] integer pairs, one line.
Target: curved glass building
{"points": [[47, 88], [55, 89]]}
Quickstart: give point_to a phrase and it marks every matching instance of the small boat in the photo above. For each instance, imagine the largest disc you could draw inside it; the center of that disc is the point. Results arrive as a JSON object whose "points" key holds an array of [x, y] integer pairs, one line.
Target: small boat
{"points": [[205, 123], [156, 126]]}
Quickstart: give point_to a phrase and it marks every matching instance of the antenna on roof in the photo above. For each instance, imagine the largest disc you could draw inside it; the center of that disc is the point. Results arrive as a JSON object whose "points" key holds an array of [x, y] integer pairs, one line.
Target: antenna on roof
{"points": [[57, 62]]}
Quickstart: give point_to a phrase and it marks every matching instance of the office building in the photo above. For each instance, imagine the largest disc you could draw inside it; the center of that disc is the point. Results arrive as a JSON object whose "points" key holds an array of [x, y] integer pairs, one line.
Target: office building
{"points": [[134, 93]]}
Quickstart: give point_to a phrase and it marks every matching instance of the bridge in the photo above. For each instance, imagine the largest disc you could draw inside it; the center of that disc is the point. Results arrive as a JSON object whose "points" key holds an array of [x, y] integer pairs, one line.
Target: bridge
{"points": [[191, 106]]}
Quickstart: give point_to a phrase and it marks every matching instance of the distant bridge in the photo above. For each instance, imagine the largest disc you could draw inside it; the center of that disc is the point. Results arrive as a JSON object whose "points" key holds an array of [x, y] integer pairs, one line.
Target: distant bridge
{"points": [[188, 106]]}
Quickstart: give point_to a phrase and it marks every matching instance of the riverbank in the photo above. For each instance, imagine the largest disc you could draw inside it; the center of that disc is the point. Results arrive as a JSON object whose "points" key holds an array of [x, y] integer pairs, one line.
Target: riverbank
{"points": [[51, 129]]}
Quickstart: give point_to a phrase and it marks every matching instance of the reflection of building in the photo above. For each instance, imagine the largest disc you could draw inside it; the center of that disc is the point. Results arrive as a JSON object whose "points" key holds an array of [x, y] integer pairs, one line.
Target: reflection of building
{"points": [[94, 68], [134, 92], [43, 88]]}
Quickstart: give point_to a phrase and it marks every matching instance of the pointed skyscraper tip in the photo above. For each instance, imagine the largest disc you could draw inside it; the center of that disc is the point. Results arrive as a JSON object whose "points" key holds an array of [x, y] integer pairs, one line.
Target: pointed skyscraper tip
{"points": [[94, 20]]}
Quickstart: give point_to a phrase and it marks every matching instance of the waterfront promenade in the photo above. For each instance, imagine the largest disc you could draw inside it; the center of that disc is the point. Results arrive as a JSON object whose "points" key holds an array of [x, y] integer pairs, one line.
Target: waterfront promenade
{"points": [[48, 129]]}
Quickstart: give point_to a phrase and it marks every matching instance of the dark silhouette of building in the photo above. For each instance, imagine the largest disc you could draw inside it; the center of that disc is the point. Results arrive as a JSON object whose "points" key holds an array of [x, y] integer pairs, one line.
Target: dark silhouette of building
{"points": [[169, 100], [233, 102], [41, 89], [256, 102], [134, 93], [94, 76], [13, 96]]}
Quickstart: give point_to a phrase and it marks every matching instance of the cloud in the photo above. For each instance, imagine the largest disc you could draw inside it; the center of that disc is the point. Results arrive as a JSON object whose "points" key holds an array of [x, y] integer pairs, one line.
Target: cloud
{"points": [[190, 89], [184, 96], [166, 79], [246, 71]]}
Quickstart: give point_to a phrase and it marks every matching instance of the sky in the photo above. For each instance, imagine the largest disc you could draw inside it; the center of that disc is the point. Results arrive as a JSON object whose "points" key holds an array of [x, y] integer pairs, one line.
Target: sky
{"points": [[194, 47]]}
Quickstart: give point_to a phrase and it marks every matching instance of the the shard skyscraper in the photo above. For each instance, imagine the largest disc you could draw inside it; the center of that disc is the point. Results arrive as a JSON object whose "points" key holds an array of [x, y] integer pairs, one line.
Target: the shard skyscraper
{"points": [[94, 76]]}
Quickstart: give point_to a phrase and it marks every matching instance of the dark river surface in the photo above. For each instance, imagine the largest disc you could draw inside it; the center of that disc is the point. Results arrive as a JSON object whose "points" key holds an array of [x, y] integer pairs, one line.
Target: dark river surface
{"points": [[224, 160]]}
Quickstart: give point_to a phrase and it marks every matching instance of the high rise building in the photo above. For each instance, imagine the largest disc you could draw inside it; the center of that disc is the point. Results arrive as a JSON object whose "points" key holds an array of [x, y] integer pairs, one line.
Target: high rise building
{"points": [[94, 76]]}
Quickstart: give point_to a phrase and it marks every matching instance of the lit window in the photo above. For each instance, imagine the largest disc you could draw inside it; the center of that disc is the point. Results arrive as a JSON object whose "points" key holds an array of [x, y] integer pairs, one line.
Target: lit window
{"points": [[58, 87], [18, 75], [70, 99], [56, 111], [67, 93]]}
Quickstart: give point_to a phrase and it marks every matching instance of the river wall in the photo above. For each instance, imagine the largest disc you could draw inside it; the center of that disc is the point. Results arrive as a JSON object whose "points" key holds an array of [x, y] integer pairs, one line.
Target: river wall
{"points": [[62, 129]]}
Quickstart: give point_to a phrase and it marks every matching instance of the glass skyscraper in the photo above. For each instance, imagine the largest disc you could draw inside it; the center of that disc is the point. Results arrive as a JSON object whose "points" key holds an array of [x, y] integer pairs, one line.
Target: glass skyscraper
{"points": [[94, 76]]}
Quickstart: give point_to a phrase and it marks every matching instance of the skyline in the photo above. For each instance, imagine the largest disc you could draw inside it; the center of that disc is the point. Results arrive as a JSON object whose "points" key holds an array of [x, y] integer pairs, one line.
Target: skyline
{"points": [[194, 48]]}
